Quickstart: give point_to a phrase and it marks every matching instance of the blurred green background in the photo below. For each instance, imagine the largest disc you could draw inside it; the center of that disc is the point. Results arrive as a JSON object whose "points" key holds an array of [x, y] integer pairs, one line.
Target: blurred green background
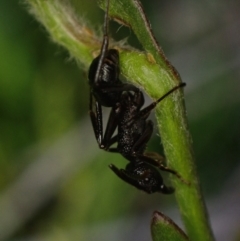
{"points": [[55, 183]]}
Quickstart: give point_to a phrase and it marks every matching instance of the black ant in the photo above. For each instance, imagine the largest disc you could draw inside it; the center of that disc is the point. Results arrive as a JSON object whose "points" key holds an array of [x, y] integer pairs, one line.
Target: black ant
{"points": [[105, 85], [134, 130]]}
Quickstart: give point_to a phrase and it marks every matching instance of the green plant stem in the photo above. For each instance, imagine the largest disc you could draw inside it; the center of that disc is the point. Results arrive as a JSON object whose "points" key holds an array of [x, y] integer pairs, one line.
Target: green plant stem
{"points": [[172, 121], [66, 29], [155, 75]]}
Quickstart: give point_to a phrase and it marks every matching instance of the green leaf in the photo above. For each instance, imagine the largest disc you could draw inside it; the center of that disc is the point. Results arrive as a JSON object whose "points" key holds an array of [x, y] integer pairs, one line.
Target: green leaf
{"points": [[164, 229]]}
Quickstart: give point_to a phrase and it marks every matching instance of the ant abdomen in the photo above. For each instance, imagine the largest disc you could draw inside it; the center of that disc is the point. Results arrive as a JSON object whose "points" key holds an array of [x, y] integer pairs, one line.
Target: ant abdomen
{"points": [[109, 71], [105, 85]]}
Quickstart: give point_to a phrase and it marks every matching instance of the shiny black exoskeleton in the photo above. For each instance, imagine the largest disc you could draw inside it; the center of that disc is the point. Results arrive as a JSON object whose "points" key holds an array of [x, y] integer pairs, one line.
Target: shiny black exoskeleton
{"points": [[133, 128], [134, 132]]}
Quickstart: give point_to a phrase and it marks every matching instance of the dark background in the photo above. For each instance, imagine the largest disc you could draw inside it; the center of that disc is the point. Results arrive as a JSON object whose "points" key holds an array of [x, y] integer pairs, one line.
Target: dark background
{"points": [[55, 183]]}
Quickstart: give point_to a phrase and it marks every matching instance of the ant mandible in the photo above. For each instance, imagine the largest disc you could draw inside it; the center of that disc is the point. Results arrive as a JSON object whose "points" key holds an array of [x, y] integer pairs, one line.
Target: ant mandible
{"points": [[134, 130], [105, 85]]}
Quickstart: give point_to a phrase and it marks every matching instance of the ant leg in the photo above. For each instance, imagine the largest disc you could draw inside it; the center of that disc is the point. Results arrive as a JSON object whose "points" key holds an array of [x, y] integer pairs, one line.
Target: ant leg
{"points": [[111, 142], [113, 149], [108, 140], [96, 119], [140, 144], [155, 155]]}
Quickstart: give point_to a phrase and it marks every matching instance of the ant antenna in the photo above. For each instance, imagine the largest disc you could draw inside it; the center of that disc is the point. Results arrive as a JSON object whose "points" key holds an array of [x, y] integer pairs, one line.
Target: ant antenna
{"points": [[147, 109], [169, 92], [105, 42]]}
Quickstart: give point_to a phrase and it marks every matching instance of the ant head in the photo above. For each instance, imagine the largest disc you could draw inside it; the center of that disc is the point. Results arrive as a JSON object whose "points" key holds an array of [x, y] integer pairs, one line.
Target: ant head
{"points": [[150, 180]]}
